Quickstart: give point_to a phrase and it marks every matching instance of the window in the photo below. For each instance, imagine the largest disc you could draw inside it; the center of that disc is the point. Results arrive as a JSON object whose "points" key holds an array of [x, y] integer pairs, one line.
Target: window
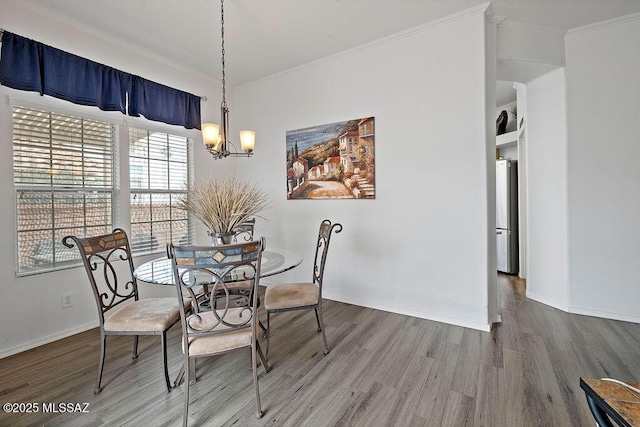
{"points": [[159, 175], [63, 178]]}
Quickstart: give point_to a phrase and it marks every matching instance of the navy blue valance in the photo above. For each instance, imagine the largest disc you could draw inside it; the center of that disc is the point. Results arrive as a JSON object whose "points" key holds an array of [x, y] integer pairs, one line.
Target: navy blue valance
{"points": [[20, 63], [29, 65], [164, 104], [81, 81]]}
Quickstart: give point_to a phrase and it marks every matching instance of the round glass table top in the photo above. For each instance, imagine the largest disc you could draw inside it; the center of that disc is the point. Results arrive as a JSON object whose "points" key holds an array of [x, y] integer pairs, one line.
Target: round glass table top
{"points": [[274, 261]]}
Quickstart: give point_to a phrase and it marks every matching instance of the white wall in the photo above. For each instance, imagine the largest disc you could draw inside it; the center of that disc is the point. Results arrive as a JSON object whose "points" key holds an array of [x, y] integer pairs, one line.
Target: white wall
{"points": [[30, 307], [530, 43], [427, 229], [603, 106], [547, 189], [421, 247], [490, 79], [527, 51], [523, 221]]}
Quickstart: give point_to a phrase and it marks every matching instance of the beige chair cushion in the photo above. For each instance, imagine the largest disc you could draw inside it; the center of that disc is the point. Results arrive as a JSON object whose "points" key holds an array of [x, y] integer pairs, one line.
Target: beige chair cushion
{"points": [[221, 342], [291, 295], [146, 315]]}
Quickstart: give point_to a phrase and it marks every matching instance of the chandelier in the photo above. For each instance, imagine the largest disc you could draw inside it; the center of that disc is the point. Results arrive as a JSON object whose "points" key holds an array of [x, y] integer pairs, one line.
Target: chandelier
{"points": [[215, 136]]}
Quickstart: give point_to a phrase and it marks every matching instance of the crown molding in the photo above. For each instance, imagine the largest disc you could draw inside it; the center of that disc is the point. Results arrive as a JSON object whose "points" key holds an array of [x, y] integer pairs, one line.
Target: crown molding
{"points": [[495, 19], [531, 28], [479, 9], [604, 24]]}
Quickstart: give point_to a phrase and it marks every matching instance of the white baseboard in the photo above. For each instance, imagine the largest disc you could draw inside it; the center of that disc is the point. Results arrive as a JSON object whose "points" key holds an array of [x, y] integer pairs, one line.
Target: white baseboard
{"points": [[605, 314], [547, 301], [495, 319], [586, 311], [46, 340], [408, 312]]}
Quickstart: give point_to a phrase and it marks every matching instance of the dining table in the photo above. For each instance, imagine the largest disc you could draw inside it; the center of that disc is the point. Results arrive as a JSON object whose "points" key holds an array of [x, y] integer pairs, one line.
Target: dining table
{"points": [[274, 261], [159, 271]]}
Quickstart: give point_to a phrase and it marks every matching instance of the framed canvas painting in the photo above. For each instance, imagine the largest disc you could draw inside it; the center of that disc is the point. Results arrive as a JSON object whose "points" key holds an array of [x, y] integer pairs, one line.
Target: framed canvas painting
{"points": [[332, 161]]}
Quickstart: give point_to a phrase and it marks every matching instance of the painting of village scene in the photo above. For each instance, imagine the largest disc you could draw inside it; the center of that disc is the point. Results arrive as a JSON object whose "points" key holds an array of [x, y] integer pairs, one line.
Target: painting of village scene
{"points": [[333, 161]]}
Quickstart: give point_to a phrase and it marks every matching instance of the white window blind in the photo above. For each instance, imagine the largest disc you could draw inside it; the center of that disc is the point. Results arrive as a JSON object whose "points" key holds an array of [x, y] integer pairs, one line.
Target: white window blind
{"points": [[159, 174], [63, 178]]}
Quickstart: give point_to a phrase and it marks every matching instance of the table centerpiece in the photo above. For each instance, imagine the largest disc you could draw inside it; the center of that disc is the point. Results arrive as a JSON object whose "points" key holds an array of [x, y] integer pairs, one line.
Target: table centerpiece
{"points": [[223, 205]]}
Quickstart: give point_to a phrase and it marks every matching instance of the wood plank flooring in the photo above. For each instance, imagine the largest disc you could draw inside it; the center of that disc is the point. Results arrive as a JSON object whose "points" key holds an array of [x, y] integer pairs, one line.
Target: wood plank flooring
{"points": [[383, 369]]}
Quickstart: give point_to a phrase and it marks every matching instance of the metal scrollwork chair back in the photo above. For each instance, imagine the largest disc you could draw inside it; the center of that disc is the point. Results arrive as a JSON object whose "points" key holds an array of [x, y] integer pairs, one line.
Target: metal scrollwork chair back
{"points": [[300, 296], [239, 291], [109, 267], [218, 328], [244, 231]]}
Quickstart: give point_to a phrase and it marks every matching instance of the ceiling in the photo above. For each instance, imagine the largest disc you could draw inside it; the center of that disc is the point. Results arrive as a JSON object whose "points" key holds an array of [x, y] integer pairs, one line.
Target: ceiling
{"points": [[267, 37]]}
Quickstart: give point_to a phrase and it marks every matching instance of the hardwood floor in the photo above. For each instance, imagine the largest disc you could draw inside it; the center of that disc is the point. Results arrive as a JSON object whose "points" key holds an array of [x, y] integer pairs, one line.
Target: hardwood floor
{"points": [[383, 369]]}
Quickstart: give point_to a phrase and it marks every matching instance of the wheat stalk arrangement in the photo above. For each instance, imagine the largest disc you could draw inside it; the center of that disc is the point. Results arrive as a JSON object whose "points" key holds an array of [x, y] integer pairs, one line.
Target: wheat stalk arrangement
{"points": [[222, 205]]}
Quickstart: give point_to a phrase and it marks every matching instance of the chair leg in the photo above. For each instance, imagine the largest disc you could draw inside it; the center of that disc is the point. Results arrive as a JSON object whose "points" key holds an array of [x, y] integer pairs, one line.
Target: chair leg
{"points": [[135, 347], [268, 333], [192, 371], [263, 359], [264, 330], [103, 345], [321, 322], [254, 363], [188, 371], [318, 319], [179, 377], [185, 413], [163, 343]]}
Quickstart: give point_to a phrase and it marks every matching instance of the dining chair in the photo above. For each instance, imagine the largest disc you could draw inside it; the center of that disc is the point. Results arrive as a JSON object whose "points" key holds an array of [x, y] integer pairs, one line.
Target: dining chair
{"points": [[240, 290], [213, 331], [120, 311], [302, 296], [244, 231]]}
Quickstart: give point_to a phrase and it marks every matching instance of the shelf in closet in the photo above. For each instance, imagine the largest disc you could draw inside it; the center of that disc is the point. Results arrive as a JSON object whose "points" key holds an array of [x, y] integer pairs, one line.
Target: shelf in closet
{"points": [[507, 139]]}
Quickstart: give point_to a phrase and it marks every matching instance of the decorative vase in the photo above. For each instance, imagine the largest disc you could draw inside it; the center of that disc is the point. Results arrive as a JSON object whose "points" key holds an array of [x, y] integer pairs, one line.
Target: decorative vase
{"points": [[221, 238]]}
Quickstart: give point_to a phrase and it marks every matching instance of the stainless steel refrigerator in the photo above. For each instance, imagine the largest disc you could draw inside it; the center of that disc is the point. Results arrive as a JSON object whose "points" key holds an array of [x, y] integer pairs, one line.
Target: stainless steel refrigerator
{"points": [[507, 215]]}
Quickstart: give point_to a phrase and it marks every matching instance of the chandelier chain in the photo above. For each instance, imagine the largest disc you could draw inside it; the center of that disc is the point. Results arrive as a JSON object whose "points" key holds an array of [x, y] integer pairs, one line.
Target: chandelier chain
{"points": [[216, 136], [224, 98]]}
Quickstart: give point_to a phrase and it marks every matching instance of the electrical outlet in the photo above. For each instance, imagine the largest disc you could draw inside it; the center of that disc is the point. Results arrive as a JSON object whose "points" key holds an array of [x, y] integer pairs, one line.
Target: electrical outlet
{"points": [[67, 300]]}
